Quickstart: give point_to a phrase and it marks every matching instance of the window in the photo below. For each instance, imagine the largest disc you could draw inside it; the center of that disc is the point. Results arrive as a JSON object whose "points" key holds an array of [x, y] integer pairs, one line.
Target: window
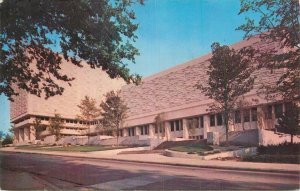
{"points": [[177, 122], [190, 123], [246, 114], [141, 130], [219, 119], [237, 116], [212, 120], [269, 112], [131, 131], [172, 125], [278, 110], [121, 132], [146, 129], [254, 114], [201, 122], [156, 129]]}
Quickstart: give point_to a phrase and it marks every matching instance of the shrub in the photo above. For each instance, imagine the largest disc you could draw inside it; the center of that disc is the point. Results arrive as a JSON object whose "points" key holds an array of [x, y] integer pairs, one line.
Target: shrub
{"points": [[294, 159], [7, 140], [281, 149]]}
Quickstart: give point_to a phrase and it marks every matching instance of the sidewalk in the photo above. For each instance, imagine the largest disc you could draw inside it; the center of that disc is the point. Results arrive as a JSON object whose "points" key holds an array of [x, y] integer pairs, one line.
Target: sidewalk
{"points": [[160, 159]]}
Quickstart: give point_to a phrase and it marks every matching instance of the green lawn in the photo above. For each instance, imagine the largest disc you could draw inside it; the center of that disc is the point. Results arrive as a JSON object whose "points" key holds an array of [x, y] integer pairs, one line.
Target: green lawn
{"points": [[192, 148], [85, 148]]}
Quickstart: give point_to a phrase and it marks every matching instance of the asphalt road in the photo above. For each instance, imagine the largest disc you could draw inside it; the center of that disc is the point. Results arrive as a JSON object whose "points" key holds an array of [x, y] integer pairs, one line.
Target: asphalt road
{"points": [[30, 171]]}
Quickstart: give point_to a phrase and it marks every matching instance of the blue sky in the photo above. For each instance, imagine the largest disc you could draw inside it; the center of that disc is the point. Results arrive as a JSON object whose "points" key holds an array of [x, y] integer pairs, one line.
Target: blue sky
{"points": [[172, 32]]}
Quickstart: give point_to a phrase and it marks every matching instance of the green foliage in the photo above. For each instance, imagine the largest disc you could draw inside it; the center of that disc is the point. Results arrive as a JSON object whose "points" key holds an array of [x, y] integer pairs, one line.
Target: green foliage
{"points": [[282, 153], [292, 159], [55, 125], [289, 122], [277, 24], [8, 139], [229, 78], [1, 135], [35, 35], [281, 149], [88, 109], [192, 148], [114, 111]]}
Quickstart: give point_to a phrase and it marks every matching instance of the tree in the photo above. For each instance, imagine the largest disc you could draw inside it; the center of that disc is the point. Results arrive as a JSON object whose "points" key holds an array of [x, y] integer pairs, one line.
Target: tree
{"points": [[159, 123], [114, 112], [277, 23], [55, 126], [192, 125], [229, 78], [35, 35], [1, 136], [88, 111], [8, 139], [37, 124], [289, 122]]}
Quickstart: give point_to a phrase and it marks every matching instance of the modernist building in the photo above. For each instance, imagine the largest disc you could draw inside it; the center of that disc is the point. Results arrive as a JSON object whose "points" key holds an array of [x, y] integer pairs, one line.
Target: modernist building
{"points": [[170, 94], [26, 107]]}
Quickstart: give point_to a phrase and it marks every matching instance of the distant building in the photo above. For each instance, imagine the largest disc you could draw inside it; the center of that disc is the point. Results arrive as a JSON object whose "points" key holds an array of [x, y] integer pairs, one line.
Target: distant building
{"points": [[27, 107], [170, 94]]}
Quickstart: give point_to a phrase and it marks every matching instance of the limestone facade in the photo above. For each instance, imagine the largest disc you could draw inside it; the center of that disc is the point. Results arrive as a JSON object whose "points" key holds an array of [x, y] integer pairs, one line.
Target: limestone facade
{"points": [[171, 94], [26, 107]]}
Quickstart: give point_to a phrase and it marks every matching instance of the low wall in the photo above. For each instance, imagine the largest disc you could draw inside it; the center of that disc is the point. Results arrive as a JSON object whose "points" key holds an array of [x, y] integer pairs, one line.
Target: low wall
{"points": [[236, 153], [243, 138], [97, 140], [268, 137]]}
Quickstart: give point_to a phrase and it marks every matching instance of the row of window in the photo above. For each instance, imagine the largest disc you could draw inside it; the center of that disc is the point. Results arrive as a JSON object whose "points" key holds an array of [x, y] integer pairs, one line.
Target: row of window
{"points": [[217, 119], [71, 121]]}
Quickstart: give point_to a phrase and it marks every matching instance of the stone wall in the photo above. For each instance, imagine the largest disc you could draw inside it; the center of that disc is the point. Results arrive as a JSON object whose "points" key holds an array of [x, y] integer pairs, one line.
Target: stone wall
{"points": [[268, 137]]}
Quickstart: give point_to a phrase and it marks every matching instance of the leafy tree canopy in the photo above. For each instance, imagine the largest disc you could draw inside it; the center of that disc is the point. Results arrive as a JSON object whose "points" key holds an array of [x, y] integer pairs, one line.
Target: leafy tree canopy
{"points": [[289, 122], [88, 109], [101, 32], [55, 125], [114, 110], [278, 21], [229, 79]]}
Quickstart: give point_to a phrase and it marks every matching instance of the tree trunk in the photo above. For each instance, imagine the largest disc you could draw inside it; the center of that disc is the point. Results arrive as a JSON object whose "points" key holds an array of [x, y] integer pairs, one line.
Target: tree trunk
{"points": [[117, 135], [88, 142], [292, 136], [226, 124]]}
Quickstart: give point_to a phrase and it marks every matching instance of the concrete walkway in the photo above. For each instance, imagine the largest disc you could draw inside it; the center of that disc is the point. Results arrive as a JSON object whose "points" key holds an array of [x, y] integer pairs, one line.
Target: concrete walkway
{"points": [[160, 159]]}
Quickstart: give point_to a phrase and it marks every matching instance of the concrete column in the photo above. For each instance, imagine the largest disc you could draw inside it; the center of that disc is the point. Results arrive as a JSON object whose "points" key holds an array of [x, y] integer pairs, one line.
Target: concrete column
{"points": [[185, 129], [167, 130], [206, 125], [21, 135], [16, 136], [26, 134], [151, 130], [125, 132], [260, 118], [32, 133], [137, 130]]}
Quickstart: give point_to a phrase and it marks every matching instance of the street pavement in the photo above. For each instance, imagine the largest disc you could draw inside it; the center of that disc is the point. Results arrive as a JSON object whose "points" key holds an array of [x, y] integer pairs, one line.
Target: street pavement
{"points": [[157, 158], [33, 171]]}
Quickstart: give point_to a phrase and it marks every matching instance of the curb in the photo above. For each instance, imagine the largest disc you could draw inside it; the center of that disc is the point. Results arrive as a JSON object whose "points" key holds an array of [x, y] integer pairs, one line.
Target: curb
{"points": [[169, 164]]}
